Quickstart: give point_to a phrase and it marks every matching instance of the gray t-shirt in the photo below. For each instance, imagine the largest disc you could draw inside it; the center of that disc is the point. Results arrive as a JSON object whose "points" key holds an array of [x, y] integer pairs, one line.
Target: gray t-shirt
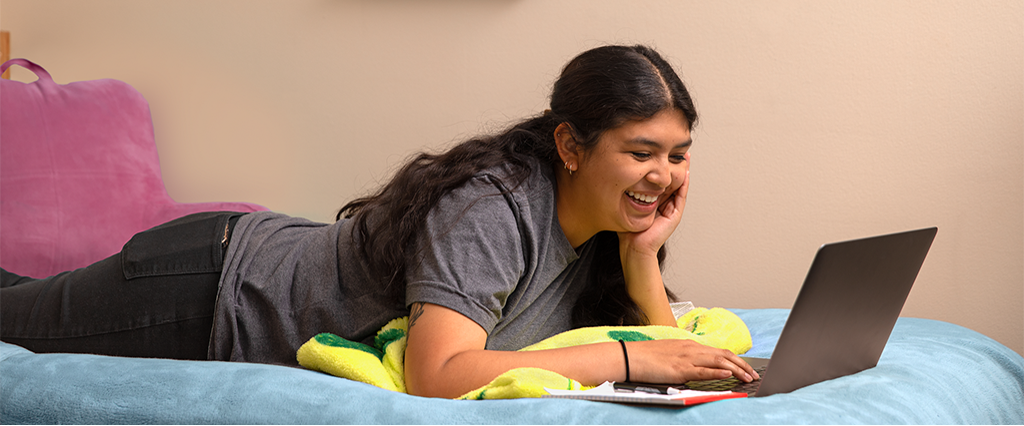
{"points": [[492, 252]]}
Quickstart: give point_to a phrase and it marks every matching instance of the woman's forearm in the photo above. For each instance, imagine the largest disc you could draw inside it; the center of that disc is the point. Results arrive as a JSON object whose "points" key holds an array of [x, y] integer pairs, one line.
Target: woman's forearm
{"points": [[645, 286], [469, 370]]}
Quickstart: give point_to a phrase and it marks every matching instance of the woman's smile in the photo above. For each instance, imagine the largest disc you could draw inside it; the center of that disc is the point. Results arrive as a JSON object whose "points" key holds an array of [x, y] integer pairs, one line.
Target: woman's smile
{"points": [[641, 198], [644, 205]]}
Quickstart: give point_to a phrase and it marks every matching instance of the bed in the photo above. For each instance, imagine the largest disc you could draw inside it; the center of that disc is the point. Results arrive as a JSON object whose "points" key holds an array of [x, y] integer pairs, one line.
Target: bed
{"points": [[930, 371]]}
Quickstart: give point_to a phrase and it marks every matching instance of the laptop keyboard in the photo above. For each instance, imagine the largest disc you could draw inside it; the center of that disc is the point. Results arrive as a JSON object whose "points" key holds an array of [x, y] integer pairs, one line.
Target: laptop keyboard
{"points": [[730, 384]]}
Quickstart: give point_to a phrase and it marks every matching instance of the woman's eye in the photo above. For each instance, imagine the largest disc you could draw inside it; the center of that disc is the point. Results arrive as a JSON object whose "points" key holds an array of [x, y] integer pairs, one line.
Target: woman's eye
{"points": [[678, 158], [641, 155]]}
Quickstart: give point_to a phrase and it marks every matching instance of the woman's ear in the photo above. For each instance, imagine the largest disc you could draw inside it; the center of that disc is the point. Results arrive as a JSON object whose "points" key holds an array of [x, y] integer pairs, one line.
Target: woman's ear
{"points": [[568, 149]]}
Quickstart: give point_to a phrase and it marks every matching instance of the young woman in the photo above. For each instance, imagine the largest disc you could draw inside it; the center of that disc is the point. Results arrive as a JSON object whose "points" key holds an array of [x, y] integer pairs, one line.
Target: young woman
{"points": [[502, 241]]}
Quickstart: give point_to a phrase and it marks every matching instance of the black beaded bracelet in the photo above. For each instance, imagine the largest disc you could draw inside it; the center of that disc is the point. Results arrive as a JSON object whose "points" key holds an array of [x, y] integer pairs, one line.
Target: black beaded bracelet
{"points": [[625, 355]]}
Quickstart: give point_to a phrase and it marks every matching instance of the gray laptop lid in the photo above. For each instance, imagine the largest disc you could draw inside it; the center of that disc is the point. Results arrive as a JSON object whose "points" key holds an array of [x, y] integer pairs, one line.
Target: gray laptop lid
{"points": [[846, 309]]}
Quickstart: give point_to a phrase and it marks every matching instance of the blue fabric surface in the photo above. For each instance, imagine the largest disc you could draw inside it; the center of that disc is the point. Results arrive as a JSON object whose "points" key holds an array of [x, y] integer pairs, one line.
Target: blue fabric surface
{"points": [[930, 372]]}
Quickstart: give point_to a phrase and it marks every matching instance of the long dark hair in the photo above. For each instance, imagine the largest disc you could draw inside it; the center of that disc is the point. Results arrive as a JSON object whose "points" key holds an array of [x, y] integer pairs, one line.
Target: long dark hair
{"points": [[598, 90]]}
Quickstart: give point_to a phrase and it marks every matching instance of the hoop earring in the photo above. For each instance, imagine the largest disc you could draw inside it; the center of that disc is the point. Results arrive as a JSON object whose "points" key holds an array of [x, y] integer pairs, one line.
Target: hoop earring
{"points": [[568, 168]]}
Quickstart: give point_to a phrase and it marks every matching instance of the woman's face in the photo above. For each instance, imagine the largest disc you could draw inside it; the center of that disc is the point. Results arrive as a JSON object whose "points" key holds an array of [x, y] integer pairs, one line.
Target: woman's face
{"points": [[633, 168]]}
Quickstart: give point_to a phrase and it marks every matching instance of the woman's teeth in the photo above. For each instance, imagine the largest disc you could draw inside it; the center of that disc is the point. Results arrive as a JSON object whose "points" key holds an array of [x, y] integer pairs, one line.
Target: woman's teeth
{"points": [[646, 199]]}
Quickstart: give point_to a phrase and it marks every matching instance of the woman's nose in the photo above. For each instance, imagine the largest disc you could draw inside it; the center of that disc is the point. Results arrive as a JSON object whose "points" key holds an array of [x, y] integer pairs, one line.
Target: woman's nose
{"points": [[660, 175]]}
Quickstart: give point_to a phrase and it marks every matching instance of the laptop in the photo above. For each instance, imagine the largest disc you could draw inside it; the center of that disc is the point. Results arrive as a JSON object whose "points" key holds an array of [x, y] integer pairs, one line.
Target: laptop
{"points": [[843, 316]]}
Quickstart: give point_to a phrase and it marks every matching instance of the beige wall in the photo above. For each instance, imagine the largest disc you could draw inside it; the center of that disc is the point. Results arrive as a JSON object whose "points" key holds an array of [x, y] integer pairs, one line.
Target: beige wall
{"points": [[821, 120]]}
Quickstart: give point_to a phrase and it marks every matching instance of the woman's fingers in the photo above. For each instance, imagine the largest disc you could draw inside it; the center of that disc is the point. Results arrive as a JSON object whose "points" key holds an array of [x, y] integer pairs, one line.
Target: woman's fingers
{"points": [[740, 368], [706, 373], [680, 199], [675, 361], [677, 201], [686, 180], [721, 367]]}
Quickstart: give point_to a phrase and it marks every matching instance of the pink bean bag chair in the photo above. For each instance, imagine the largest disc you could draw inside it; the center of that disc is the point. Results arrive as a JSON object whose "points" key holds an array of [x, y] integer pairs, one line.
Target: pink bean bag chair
{"points": [[79, 173]]}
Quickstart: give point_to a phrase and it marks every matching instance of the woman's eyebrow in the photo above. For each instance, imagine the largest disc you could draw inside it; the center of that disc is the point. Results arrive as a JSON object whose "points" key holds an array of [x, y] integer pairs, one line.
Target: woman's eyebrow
{"points": [[654, 144]]}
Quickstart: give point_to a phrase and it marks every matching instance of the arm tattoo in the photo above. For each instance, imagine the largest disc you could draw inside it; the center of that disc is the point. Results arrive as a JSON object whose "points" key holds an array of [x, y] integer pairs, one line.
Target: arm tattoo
{"points": [[415, 313]]}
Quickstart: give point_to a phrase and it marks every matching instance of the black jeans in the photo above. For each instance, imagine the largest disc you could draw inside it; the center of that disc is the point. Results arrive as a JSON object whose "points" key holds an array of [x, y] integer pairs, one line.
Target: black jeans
{"points": [[155, 298]]}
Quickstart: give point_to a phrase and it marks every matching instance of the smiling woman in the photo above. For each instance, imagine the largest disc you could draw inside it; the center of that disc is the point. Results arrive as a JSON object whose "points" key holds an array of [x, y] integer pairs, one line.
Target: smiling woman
{"points": [[498, 243]]}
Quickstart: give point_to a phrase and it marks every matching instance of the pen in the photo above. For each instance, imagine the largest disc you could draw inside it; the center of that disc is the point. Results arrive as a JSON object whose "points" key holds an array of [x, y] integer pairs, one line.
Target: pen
{"points": [[645, 387]]}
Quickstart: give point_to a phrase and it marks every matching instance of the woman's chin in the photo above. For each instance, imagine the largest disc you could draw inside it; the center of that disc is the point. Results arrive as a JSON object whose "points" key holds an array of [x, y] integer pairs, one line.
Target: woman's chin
{"points": [[635, 225]]}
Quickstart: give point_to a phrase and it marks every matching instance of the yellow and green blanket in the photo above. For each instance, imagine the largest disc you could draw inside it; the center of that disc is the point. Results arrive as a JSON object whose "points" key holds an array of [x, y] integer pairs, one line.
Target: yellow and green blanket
{"points": [[382, 364]]}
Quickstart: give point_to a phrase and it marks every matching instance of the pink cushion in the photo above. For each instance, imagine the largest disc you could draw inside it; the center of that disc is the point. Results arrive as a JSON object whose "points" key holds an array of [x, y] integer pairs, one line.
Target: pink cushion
{"points": [[79, 173]]}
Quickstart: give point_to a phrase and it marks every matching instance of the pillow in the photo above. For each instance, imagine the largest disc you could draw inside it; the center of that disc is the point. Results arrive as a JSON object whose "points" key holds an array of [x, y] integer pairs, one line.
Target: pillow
{"points": [[79, 174]]}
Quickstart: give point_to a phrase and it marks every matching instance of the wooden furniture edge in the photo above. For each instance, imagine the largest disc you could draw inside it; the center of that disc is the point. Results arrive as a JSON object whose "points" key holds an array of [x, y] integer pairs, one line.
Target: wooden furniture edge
{"points": [[5, 51]]}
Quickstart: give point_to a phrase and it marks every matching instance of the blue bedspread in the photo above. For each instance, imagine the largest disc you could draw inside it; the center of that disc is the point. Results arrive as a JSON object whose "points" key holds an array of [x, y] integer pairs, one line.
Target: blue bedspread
{"points": [[930, 372]]}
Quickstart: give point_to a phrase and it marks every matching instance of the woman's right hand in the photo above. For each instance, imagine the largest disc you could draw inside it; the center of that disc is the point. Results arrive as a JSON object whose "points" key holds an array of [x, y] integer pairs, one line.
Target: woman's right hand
{"points": [[678, 361]]}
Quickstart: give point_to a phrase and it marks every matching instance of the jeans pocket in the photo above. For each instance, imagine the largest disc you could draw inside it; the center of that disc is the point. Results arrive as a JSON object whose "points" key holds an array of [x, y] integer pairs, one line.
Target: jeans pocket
{"points": [[193, 244]]}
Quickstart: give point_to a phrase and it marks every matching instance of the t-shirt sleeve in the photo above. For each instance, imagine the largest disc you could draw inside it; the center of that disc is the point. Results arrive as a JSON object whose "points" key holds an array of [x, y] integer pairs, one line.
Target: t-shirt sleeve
{"points": [[470, 255]]}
